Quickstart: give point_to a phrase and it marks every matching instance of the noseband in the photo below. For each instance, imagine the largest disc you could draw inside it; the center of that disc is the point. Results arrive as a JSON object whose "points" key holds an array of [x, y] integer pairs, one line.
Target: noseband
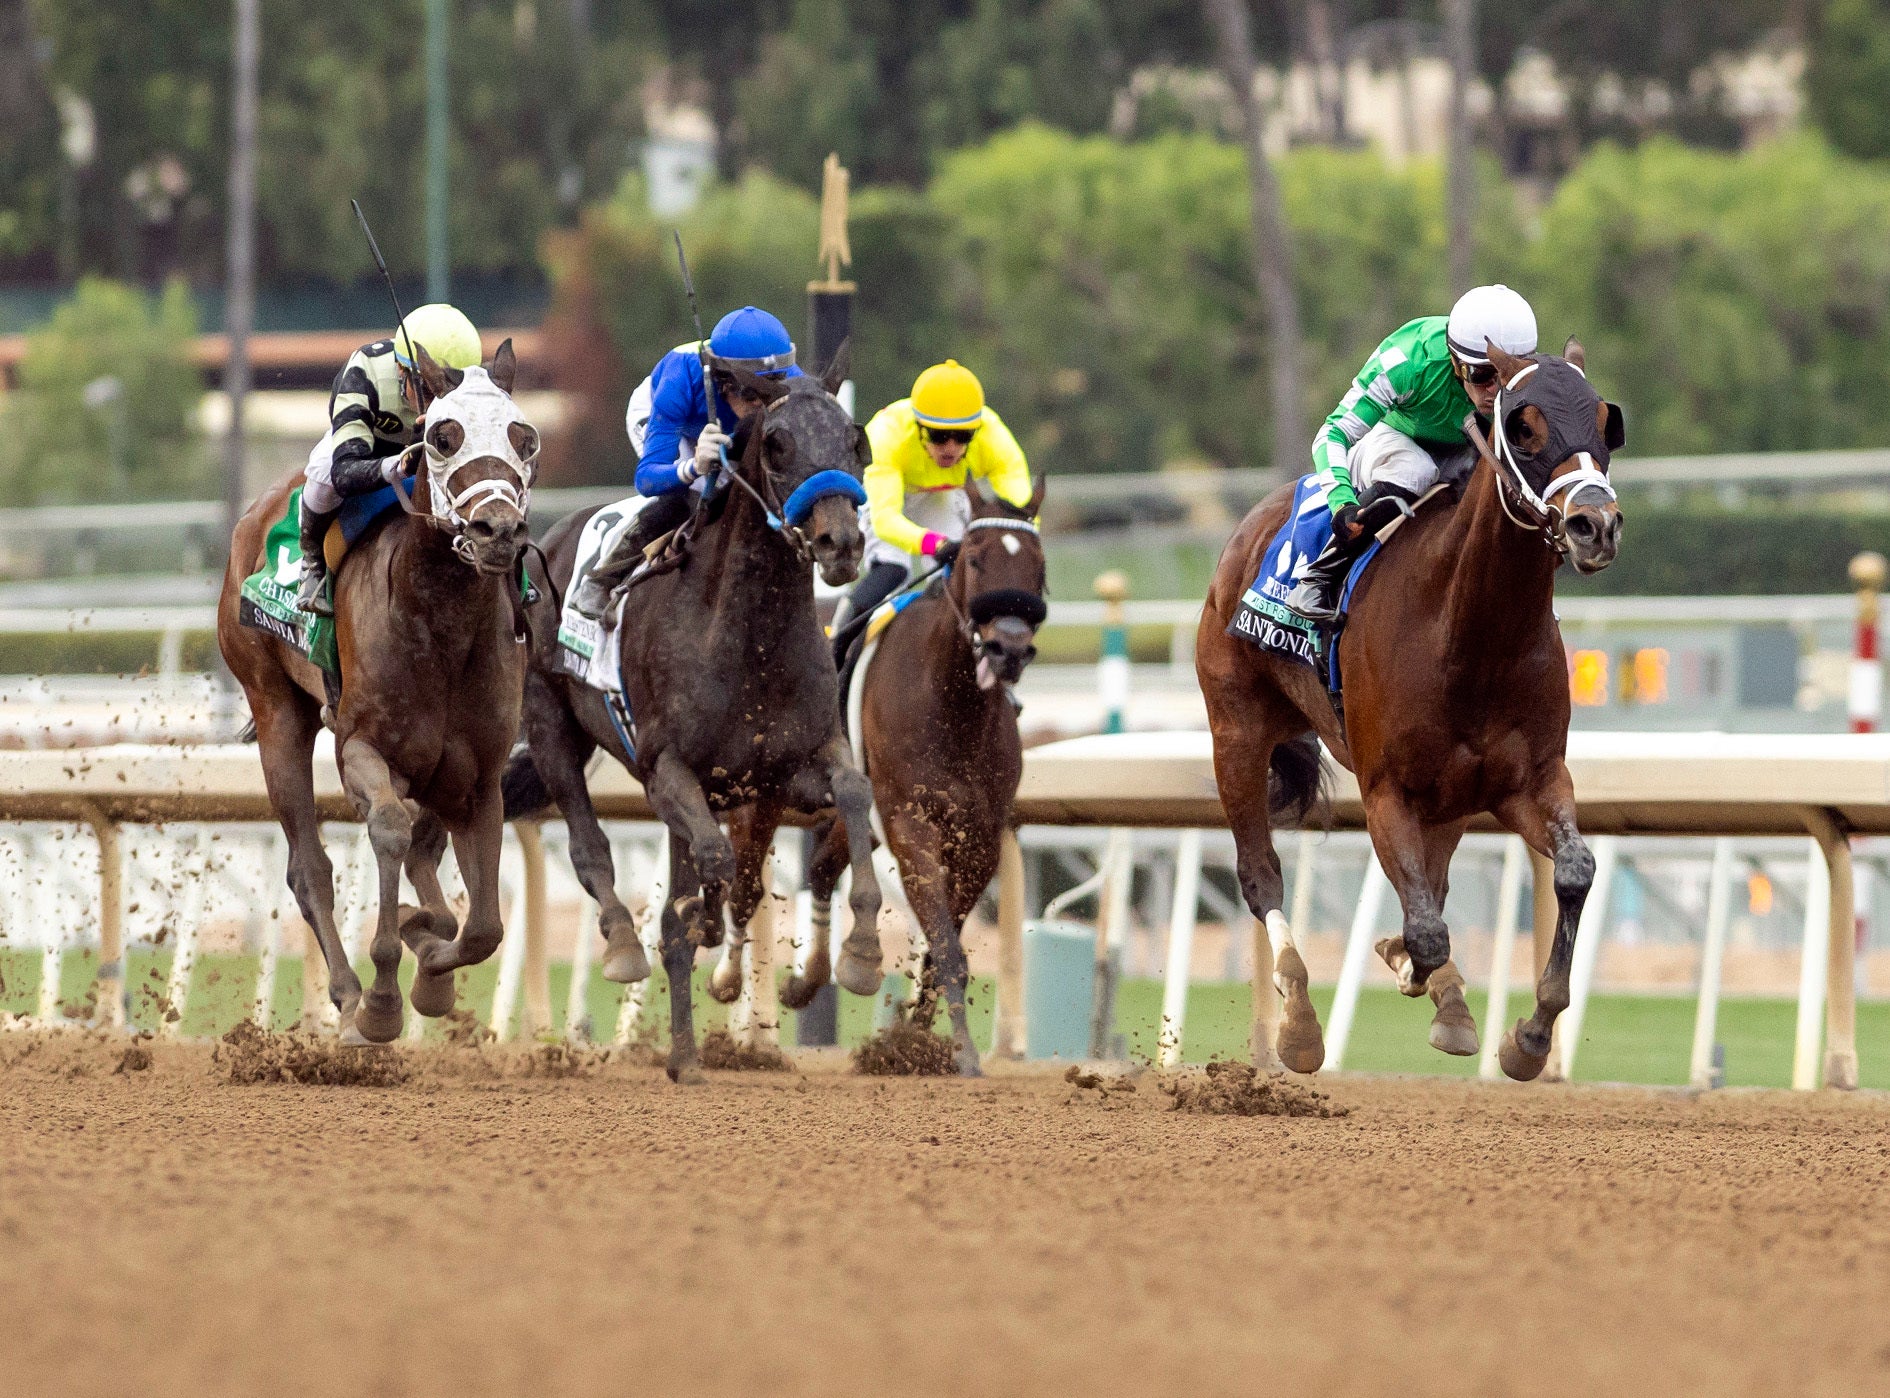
{"points": [[1540, 513]]}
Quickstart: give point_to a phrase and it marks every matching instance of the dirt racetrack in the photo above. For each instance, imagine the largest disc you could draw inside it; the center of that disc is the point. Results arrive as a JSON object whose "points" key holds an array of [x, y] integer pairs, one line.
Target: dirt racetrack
{"points": [[533, 1224]]}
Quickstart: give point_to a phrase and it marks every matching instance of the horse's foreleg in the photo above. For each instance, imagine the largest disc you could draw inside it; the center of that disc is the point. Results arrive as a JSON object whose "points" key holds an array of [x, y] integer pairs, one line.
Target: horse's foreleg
{"points": [[478, 848], [679, 802], [285, 738], [853, 798], [560, 748], [814, 964], [918, 846], [752, 829], [371, 786], [679, 962], [1546, 821], [1241, 768], [431, 995], [1453, 1027]]}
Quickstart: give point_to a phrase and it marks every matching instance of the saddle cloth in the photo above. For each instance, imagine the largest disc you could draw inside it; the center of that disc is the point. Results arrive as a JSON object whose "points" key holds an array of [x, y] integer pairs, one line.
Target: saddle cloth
{"points": [[589, 649], [267, 600]]}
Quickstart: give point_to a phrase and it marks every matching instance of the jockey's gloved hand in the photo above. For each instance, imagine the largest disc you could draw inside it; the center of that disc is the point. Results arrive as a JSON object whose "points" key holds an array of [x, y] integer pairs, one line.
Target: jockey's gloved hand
{"points": [[709, 449], [946, 553], [1345, 525], [404, 463]]}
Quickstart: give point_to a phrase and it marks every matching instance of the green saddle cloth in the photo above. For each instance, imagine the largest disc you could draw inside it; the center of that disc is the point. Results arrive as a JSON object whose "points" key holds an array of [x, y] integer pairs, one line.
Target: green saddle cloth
{"points": [[268, 597]]}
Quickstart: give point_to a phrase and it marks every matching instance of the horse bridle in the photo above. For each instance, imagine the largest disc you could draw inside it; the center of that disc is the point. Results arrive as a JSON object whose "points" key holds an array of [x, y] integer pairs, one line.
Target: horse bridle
{"points": [[785, 517], [460, 508], [1026, 607], [1545, 517]]}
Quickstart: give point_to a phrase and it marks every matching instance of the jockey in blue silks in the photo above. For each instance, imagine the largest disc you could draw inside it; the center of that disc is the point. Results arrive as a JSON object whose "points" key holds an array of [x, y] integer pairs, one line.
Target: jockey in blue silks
{"points": [[669, 423]]}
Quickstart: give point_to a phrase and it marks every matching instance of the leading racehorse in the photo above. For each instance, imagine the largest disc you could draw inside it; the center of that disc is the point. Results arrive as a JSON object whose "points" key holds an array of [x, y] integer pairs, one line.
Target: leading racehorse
{"points": [[1456, 695], [429, 630], [731, 689]]}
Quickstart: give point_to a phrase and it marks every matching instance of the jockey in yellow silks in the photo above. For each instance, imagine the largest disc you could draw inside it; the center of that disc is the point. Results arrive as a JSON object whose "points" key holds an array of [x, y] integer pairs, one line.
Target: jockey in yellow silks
{"points": [[924, 450]]}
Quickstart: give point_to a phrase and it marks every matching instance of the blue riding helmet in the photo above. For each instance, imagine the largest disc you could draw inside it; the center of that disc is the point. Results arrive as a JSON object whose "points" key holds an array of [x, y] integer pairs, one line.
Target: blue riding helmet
{"points": [[752, 339]]}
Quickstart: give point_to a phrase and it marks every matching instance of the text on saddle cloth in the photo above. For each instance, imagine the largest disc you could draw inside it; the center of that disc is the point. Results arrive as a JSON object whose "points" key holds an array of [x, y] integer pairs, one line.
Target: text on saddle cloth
{"points": [[589, 649], [267, 600]]}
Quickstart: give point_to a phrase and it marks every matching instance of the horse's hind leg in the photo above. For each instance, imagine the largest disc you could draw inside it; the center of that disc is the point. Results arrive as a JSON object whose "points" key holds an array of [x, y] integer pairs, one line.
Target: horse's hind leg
{"points": [[390, 833], [823, 874], [560, 747], [285, 737], [917, 846], [853, 798], [678, 800], [1241, 767], [752, 829], [1453, 1027], [1546, 821], [432, 993]]}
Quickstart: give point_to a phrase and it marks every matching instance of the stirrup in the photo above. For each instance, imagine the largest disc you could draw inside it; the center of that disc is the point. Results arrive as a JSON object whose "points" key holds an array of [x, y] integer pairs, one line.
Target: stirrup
{"points": [[1315, 603], [313, 596]]}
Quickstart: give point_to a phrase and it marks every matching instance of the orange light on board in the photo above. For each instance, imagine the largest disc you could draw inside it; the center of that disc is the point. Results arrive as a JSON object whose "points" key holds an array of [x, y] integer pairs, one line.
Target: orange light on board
{"points": [[1588, 678], [1758, 894], [1650, 676]]}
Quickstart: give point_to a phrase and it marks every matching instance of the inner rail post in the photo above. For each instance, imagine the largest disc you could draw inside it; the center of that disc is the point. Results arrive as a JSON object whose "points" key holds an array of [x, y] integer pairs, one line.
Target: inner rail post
{"points": [[1712, 957], [1840, 964]]}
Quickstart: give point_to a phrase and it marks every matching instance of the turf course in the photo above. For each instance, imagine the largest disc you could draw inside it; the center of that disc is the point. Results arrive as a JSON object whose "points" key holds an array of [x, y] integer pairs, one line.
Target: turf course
{"points": [[1626, 1038]]}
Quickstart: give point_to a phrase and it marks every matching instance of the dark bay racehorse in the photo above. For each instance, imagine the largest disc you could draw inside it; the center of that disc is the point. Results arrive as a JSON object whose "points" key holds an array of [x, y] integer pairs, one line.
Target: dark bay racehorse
{"points": [[428, 627], [731, 686], [1456, 696], [942, 750]]}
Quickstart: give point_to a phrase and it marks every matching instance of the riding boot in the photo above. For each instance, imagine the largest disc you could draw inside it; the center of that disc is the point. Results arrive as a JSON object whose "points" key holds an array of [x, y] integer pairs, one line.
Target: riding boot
{"points": [[313, 596], [1317, 596], [592, 597], [880, 582]]}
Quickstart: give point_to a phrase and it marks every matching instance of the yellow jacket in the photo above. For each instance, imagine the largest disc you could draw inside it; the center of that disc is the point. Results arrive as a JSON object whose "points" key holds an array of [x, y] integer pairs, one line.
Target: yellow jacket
{"points": [[901, 463]]}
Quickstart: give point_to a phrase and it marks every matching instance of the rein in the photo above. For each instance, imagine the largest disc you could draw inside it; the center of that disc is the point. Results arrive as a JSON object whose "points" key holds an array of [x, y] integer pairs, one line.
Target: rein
{"points": [[786, 517], [1544, 516]]}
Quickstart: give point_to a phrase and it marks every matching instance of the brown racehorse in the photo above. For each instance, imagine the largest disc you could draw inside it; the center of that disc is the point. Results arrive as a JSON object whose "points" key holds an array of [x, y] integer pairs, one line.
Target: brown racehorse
{"points": [[732, 691], [939, 733], [432, 669], [1456, 696]]}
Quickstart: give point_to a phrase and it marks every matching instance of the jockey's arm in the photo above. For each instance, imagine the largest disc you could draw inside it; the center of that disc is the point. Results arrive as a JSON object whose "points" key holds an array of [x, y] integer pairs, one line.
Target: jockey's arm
{"points": [[885, 482], [353, 406], [1373, 394], [677, 411], [999, 459]]}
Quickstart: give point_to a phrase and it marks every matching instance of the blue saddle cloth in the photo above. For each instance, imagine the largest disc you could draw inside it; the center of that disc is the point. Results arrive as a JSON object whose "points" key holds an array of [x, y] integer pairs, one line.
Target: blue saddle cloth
{"points": [[1263, 616], [360, 511]]}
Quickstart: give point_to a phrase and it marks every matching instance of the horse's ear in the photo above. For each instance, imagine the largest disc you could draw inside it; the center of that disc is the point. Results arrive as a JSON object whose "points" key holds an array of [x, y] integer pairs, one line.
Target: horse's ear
{"points": [[432, 377], [1507, 364], [838, 368], [862, 447], [1613, 427], [765, 388], [1575, 354], [503, 367], [980, 505], [1035, 507]]}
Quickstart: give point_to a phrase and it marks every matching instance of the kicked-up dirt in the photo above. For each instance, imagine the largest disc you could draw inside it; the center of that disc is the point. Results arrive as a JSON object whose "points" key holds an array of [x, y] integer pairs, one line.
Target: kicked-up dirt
{"points": [[496, 1222]]}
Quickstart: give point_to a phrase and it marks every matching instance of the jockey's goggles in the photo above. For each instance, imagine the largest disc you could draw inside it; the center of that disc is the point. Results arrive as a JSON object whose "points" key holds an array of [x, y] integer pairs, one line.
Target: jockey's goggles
{"points": [[939, 436], [1482, 375]]}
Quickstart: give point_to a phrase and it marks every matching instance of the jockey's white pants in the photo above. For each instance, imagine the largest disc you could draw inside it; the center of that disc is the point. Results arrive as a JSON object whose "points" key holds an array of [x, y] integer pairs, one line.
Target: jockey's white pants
{"points": [[318, 489], [1385, 455], [945, 511]]}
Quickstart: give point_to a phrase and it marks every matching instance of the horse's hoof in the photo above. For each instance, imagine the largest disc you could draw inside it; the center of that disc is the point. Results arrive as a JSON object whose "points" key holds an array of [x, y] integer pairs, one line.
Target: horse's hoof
{"points": [[857, 974], [726, 989], [1517, 1063], [1457, 1040], [1302, 1050], [625, 961], [686, 1072], [797, 993], [1391, 951], [966, 1057], [352, 1037], [419, 926], [432, 994], [377, 1022]]}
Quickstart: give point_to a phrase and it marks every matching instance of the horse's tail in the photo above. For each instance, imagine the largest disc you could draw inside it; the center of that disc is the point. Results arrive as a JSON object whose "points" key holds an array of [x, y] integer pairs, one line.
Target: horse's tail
{"points": [[522, 786], [1302, 782]]}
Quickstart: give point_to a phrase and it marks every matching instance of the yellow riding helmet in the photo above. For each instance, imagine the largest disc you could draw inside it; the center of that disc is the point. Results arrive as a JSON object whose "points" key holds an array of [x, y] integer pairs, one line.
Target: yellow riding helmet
{"points": [[948, 395], [444, 332]]}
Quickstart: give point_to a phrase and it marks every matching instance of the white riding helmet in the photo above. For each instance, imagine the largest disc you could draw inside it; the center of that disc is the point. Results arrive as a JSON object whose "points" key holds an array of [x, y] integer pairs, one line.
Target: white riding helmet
{"points": [[1492, 315]]}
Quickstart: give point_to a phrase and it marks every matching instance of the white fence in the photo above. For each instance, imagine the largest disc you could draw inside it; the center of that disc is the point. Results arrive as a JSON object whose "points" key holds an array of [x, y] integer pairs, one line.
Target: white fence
{"points": [[1626, 783]]}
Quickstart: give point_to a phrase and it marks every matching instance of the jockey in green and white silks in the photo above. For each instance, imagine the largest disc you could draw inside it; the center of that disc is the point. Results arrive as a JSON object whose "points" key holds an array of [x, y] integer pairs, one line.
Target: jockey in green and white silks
{"points": [[1385, 443], [374, 414]]}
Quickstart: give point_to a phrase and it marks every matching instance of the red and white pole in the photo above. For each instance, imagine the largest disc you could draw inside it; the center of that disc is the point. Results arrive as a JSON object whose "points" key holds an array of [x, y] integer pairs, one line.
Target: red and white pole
{"points": [[1866, 696]]}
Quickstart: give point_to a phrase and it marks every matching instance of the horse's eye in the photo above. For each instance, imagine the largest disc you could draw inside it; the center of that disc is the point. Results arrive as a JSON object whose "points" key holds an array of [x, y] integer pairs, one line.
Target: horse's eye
{"points": [[446, 436]]}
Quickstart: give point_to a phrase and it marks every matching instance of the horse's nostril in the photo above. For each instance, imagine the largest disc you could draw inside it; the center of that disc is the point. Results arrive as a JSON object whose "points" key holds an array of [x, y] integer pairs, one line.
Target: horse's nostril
{"points": [[1582, 527]]}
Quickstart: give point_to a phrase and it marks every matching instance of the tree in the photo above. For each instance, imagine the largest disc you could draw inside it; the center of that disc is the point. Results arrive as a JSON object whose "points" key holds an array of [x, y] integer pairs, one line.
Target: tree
{"points": [[1272, 248], [1849, 75]]}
